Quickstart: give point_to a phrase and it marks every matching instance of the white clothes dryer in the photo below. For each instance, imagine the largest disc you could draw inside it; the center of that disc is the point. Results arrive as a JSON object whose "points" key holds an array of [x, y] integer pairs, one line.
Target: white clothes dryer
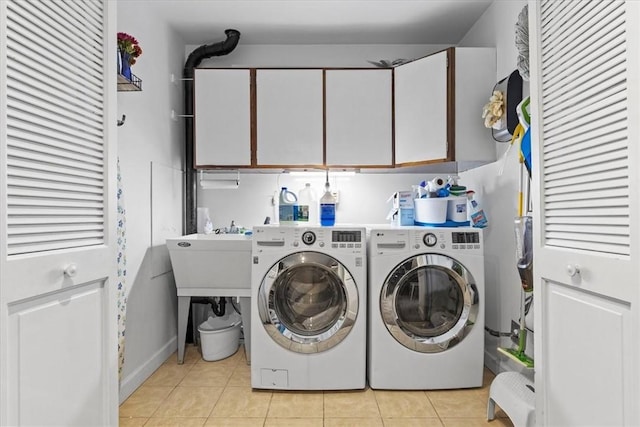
{"points": [[308, 302], [426, 308]]}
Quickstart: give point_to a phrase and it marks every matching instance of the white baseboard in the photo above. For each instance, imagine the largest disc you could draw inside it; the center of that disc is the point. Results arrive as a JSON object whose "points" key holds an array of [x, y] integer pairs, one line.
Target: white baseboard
{"points": [[129, 384]]}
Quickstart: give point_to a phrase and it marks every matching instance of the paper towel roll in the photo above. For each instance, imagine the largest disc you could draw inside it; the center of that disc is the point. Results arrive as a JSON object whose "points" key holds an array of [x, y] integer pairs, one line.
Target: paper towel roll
{"points": [[203, 216]]}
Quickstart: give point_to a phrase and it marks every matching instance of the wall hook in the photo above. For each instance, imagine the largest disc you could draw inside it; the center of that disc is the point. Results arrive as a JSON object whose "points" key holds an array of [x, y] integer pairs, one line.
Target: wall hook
{"points": [[121, 121]]}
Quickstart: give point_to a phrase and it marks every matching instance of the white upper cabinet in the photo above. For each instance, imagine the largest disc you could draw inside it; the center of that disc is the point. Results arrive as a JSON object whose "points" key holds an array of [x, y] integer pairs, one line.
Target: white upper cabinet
{"points": [[359, 117], [421, 109], [222, 117], [289, 117], [438, 107]]}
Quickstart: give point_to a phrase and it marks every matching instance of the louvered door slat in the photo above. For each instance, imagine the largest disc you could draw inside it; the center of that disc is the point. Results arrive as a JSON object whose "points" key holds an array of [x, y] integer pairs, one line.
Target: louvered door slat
{"points": [[75, 147], [600, 114], [51, 158], [585, 181], [34, 219], [584, 150], [590, 179], [559, 106], [55, 126], [57, 62], [48, 114], [56, 35], [577, 164], [571, 217], [22, 69], [65, 104], [581, 185], [595, 25], [586, 172], [29, 165], [57, 136], [53, 213], [586, 196]]}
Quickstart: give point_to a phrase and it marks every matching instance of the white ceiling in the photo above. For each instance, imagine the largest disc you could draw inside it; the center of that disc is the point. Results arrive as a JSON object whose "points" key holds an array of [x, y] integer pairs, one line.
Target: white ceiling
{"points": [[321, 22]]}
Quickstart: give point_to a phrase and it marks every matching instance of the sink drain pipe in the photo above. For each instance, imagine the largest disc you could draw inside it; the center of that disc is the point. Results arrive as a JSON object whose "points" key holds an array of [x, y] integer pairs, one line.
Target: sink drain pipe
{"points": [[222, 48]]}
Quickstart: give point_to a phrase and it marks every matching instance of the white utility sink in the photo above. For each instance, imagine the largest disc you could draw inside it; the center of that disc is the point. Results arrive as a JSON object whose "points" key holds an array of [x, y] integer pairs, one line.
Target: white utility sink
{"points": [[211, 265], [205, 262]]}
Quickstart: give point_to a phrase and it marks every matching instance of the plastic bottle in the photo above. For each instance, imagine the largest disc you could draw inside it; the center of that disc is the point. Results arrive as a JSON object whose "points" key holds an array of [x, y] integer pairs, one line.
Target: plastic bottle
{"points": [[308, 197], [287, 206], [476, 213], [327, 207]]}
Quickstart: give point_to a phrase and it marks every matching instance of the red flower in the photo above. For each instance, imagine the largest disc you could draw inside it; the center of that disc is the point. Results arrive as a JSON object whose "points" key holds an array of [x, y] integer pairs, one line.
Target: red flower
{"points": [[129, 44]]}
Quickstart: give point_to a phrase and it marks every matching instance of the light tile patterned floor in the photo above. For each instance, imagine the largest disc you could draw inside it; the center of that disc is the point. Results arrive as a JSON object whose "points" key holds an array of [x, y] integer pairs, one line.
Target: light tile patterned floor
{"points": [[200, 393]]}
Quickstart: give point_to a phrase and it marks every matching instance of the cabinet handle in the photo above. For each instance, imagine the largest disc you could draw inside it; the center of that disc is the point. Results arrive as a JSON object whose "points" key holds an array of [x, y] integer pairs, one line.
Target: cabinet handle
{"points": [[71, 270], [573, 270]]}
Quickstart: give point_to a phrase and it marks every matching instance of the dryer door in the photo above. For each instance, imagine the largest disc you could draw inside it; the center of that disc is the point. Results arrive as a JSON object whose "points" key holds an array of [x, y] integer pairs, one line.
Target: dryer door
{"points": [[429, 302], [308, 302]]}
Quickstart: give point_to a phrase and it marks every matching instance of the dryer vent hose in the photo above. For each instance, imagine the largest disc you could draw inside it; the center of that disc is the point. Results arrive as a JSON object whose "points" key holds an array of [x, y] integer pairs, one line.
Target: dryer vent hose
{"points": [[218, 307]]}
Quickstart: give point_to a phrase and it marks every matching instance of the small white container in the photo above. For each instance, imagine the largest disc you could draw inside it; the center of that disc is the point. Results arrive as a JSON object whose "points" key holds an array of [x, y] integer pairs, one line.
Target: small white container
{"points": [[220, 336], [457, 208], [430, 210]]}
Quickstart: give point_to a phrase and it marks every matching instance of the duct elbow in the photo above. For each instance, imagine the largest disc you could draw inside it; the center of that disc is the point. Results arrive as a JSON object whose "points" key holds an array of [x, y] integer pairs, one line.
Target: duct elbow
{"points": [[216, 49]]}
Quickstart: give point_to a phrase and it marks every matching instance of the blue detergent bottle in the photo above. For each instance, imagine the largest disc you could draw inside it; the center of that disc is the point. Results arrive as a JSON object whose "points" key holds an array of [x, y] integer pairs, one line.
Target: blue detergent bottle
{"points": [[327, 207]]}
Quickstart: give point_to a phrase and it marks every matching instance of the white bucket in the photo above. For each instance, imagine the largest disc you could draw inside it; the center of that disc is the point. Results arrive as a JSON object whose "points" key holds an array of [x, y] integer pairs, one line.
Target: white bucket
{"points": [[430, 210], [220, 336], [457, 209]]}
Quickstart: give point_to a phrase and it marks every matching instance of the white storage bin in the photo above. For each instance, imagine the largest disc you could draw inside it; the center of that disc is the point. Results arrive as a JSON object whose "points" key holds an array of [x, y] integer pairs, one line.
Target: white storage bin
{"points": [[220, 336], [457, 208], [430, 210]]}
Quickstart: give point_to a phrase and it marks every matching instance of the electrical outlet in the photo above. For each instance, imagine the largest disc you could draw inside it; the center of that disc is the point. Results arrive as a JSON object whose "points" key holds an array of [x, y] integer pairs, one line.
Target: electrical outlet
{"points": [[515, 330]]}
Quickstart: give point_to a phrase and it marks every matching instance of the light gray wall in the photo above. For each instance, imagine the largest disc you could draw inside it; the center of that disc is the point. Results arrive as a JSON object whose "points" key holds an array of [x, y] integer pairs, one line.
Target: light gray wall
{"points": [[149, 135], [498, 186]]}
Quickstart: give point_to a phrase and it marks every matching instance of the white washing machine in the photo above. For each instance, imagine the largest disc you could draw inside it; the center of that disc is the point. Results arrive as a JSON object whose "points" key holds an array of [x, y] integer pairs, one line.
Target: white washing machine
{"points": [[426, 308], [308, 302]]}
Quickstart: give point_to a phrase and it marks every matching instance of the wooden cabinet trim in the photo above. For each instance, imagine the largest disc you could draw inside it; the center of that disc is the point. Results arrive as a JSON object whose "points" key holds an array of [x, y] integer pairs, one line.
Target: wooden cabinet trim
{"points": [[451, 104]]}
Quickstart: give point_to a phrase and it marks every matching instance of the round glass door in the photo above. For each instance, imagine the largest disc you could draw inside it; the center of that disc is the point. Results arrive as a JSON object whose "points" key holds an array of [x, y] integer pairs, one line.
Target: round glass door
{"points": [[308, 302], [429, 303]]}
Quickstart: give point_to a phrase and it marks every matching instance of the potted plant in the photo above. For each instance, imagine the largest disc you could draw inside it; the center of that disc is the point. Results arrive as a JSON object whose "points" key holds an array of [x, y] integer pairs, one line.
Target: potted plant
{"points": [[129, 50]]}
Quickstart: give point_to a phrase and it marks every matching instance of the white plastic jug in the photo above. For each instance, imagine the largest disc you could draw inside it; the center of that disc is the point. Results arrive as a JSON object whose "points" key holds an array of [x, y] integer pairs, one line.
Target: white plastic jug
{"points": [[287, 206], [308, 197]]}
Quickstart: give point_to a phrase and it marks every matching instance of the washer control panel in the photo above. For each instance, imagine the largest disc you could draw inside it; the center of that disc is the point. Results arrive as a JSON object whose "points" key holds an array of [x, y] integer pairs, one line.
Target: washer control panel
{"points": [[340, 239]]}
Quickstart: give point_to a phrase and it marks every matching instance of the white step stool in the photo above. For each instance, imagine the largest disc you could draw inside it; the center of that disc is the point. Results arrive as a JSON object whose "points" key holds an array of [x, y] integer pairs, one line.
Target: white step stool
{"points": [[509, 390]]}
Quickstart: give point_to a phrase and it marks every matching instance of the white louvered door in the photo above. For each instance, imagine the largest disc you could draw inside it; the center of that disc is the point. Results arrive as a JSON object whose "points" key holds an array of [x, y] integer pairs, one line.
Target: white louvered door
{"points": [[584, 87], [58, 329]]}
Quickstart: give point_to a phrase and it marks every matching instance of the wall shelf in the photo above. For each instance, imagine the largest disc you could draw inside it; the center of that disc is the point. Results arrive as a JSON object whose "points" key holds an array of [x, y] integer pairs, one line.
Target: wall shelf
{"points": [[126, 85]]}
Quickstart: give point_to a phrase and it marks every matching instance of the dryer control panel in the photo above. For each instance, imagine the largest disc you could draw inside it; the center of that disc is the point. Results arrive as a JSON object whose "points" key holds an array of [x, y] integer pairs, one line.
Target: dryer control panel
{"points": [[463, 240]]}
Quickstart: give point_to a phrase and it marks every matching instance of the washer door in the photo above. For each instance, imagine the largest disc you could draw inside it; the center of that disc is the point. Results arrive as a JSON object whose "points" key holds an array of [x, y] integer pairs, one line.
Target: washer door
{"points": [[429, 303], [308, 302]]}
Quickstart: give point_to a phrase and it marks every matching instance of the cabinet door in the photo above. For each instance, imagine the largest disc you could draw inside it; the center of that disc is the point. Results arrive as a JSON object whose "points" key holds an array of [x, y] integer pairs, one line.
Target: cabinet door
{"points": [[421, 110], [584, 68], [59, 293], [358, 117], [475, 76], [289, 117], [222, 117]]}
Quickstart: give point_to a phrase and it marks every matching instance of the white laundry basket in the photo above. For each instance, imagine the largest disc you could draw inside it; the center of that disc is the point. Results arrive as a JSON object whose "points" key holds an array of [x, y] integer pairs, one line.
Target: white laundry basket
{"points": [[220, 336]]}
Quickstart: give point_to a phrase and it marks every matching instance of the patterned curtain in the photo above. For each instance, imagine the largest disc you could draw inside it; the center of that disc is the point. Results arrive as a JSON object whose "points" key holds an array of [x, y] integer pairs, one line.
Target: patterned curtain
{"points": [[122, 273]]}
